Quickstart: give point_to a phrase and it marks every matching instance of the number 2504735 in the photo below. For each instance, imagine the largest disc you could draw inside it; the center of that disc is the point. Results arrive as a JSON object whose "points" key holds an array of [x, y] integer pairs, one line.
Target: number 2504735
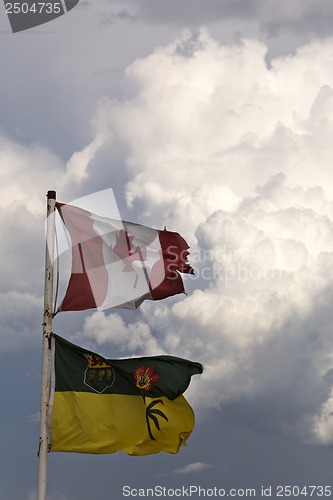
{"points": [[305, 491], [35, 8]]}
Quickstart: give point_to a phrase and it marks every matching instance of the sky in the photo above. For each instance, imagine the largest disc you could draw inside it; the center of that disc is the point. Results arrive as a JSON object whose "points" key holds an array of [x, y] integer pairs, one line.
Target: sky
{"points": [[213, 118]]}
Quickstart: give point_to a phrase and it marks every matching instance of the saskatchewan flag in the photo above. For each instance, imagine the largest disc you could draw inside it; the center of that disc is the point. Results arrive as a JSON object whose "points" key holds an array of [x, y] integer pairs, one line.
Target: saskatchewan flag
{"points": [[135, 405]]}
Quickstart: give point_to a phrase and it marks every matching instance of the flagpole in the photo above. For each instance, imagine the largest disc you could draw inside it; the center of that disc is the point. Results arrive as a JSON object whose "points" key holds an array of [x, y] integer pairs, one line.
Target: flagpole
{"points": [[46, 354]]}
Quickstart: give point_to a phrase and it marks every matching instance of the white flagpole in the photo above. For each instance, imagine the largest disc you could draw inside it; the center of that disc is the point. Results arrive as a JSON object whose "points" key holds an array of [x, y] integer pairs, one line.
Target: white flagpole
{"points": [[47, 330]]}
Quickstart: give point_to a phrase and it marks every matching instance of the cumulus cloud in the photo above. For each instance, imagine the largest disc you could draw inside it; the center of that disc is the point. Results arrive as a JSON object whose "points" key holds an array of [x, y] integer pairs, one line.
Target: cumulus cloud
{"points": [[260, 323], [30, 171], [217, 120], [135, 337], [211, 141], [26, 164], [237, 157]]}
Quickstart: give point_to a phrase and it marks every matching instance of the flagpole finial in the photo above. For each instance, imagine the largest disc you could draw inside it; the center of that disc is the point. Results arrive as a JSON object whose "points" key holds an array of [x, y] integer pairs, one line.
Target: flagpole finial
{"points": [[51, 195]]}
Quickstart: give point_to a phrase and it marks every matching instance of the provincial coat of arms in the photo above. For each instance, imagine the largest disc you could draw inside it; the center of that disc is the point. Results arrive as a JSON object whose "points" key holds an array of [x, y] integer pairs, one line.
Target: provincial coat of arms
{"points": [[99, 374]]}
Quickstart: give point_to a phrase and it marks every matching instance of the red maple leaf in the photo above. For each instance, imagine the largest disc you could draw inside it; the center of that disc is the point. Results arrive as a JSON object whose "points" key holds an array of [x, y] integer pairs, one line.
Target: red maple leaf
{"points": [[123, 248]]}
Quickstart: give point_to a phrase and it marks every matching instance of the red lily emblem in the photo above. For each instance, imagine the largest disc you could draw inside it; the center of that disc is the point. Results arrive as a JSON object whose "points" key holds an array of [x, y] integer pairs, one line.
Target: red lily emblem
{"points": [[145, 377]]}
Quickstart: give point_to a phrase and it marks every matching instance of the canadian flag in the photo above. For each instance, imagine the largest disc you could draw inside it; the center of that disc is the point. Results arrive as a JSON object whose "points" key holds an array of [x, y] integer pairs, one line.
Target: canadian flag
{"points": [[120, 264]]}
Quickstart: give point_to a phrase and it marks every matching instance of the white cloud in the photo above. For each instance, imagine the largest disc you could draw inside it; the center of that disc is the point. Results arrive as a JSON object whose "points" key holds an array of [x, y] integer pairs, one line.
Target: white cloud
{"points": [[195, 467], [221, 117], [28, 172], [79, 162], [237, 157], [204, 129], [112, 328]]}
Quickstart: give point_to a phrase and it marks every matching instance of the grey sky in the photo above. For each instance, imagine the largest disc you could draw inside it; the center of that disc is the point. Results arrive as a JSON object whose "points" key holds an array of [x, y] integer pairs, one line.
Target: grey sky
{"points": [[215, 119]]}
